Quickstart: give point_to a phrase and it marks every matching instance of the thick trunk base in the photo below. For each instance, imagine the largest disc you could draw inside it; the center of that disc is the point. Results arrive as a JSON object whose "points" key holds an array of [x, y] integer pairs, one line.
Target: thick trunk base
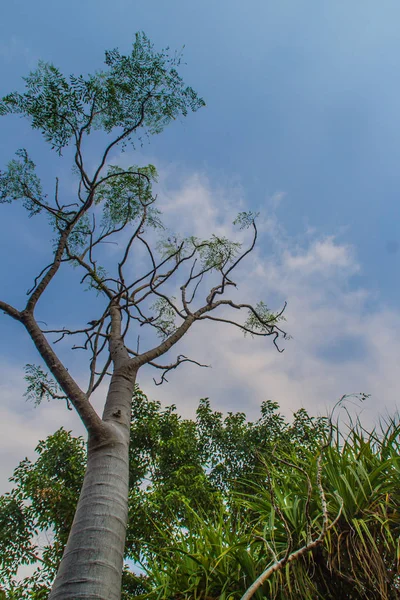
{"points": [[91, 567]]}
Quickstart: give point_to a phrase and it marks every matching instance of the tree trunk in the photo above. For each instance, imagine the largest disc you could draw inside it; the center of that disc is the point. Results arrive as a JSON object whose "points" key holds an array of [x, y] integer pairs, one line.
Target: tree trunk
{"points": [[92, 563]]}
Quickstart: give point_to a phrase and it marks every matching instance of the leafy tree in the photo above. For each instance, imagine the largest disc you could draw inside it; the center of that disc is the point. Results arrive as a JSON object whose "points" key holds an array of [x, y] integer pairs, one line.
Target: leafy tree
{"points": [[135, 95], [175, 469], [325, 524], [43, 500], [209, 518]]}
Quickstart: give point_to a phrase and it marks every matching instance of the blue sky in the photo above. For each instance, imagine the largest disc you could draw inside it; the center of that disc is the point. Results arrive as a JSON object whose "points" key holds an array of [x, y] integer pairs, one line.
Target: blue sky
{"points": [[302, 123], [301, 96]]}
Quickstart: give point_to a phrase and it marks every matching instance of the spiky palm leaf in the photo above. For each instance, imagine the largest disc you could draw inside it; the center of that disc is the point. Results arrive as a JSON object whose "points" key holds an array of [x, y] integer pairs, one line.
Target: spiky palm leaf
{"points": [[357, 559]]}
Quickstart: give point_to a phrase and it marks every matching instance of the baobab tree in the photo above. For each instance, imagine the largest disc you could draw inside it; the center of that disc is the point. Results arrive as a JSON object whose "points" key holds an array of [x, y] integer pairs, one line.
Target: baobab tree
{"points": [[134, 95]]}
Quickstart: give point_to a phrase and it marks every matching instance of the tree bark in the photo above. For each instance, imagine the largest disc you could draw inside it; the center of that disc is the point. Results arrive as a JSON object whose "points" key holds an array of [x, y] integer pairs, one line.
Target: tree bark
{"points": [[91, 567]]}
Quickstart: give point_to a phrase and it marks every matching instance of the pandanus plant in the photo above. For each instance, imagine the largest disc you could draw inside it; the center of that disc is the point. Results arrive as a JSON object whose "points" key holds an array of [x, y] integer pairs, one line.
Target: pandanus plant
{"points": [[311, 525]]}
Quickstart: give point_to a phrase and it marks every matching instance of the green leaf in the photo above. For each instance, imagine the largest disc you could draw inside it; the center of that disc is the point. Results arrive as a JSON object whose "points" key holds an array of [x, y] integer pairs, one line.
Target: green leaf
{"points": [[40, 385], [217, 252], [164, 317], [262, 319], [142, 90], [125, 194], [20, 182], [245, 219]]}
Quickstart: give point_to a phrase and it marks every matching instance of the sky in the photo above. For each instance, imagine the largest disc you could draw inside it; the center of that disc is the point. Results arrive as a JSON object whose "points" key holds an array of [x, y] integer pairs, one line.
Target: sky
{"points": [[302, 125]]}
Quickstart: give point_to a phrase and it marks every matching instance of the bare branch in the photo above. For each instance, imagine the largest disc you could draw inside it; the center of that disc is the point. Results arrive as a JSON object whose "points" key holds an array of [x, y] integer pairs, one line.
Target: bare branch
{"points": [[247, 330], [116, 141], [91, 273], [153, 288], [100, 378], [48, 390], [56, 195], [39, 276], [195, 289], [129, 245], [85, 330], [10, 310], [221, 288], [50, 272], [95, 352], [167, 368], [88, 415], [161, 278], [118, 352], [151, 273], [184, 302], [55, 212], [162, 348]]}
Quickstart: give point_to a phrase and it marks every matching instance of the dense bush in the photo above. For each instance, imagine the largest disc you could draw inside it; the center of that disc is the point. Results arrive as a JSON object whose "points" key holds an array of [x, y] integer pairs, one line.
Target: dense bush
{"points": [[215, 501]]}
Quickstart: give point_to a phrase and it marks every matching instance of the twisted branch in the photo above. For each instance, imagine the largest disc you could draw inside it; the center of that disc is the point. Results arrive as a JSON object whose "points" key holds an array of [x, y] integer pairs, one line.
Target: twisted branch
{"points": [[310, 543]]}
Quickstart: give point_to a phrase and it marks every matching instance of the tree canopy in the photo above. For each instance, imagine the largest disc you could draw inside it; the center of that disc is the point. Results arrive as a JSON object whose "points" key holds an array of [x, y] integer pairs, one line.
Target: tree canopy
{"points": [[150, 291], [214, 499]]}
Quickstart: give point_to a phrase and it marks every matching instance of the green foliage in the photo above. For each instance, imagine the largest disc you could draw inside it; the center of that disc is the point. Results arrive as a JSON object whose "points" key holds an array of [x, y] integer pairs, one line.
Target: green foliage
{"points": [[217, 252], [40, 385], [214, 253], [80, 234], [261, 318], [20, 182], [221, 554], [54, 106], [173, 245], [245, 219], [124, 194], [200, 562], [164, 317], [142, 89], [215, 500], [53, 482], [178, 468], [134, 95], [42, 501], [156, 82], [14, 518]]}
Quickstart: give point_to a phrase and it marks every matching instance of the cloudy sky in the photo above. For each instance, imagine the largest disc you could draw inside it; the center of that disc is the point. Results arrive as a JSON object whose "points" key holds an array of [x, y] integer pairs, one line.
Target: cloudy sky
{"points": [[302, 124]]}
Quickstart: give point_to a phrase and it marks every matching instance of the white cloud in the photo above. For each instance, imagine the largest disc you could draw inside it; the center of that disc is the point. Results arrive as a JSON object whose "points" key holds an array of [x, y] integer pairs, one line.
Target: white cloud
{"points": [[21, 424], [194, 208], [321, 257], [276, 199], [338, 345]]}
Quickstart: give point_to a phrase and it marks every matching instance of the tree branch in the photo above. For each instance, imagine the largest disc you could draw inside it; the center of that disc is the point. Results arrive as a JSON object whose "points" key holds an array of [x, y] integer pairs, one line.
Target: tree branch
{"points": [[310, 544], [50, 273], [277, 566], [78, 399], [38, 277], [162, 348], [221, 288], [100, 378], [118, 352], [45, 388], [10, 310], [247, 330], [166, 368], [91, 273], [111, 145]]}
